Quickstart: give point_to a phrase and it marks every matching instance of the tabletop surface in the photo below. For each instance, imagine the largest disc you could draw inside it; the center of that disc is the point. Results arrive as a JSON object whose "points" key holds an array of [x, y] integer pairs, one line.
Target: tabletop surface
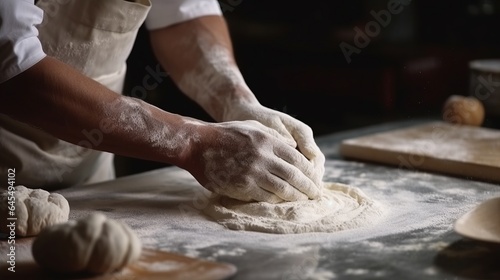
{"points": [[415, 240]]}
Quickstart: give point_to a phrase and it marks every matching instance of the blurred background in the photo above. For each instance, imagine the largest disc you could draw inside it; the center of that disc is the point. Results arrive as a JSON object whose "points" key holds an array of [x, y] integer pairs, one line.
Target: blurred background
{"points": [[339, 65]]}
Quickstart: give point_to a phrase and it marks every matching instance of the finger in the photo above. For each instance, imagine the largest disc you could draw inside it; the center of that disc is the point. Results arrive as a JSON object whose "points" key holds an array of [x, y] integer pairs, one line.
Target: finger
{"points": [[318, 175], [295, 158], [296, 178], [261, 195], [282, 189], [304, 137]]}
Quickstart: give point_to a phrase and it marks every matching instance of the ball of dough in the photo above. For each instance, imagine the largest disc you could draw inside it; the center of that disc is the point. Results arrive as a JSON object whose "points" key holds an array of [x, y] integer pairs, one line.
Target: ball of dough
{"points": [[463, 110], [94, 245], [35, 209]]}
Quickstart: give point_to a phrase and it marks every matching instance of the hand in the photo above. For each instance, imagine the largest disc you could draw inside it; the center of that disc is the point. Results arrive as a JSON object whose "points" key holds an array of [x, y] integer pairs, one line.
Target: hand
{"points": [[288, 127], [247, 161]]}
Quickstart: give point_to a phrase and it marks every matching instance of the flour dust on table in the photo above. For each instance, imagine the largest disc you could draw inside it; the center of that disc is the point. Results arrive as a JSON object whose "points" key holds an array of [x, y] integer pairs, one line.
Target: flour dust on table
{"points": [[341, 207]]}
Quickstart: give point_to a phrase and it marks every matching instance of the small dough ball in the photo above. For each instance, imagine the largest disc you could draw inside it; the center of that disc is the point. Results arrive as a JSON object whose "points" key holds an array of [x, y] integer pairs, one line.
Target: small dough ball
{"points": [[35, 209], [463, 110], [93, 245]]}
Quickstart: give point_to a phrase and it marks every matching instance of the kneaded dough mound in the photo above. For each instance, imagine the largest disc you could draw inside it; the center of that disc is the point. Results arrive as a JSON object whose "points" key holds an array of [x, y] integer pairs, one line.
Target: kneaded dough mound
{"points": [[341, 207], [94, 245], [35, 209]]}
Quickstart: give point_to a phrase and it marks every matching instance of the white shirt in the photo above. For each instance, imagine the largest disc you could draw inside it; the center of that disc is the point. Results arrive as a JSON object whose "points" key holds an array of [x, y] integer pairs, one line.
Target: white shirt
{"points": [[19, 45], [20, 48]]}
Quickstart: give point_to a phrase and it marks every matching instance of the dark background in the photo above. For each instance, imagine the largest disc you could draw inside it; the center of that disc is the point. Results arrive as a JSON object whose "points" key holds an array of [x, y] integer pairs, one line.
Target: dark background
{"points": [[289, 54]]}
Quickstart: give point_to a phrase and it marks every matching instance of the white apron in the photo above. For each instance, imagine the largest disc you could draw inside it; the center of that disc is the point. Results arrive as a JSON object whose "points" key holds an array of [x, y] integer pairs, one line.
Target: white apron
{"points": [[95, 37]]}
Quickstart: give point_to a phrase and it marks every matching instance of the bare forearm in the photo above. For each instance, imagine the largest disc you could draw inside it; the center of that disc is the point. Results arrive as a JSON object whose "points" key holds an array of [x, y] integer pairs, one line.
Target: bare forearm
{"points": [[199, 57], [74, 108]]}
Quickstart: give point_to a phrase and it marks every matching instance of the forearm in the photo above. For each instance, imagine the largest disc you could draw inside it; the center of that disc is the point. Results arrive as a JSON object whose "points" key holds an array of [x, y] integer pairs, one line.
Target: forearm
{"points": [[70, 106], [198, 55]]}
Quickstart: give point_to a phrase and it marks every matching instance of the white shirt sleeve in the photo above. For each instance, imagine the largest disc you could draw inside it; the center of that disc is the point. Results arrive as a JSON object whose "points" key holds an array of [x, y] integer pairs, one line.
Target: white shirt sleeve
{"points": [[167, 12], [19, 45]]}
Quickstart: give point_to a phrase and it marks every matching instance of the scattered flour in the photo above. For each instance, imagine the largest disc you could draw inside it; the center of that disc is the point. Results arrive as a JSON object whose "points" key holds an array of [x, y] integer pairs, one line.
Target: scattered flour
{"points": [[341, 207], [230, 252], [321, 274], [357, 271]]}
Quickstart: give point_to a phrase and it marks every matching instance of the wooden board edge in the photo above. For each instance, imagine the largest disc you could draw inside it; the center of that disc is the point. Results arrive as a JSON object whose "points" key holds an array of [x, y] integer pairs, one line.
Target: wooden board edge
{"points": [[420, 162]]}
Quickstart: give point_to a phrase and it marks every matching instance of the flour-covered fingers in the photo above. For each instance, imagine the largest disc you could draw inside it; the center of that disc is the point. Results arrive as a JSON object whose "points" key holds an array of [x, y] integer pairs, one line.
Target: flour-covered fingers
{"points": [[295, 158], [304, 137], [296, 178], [316, 157], [281, 188]]}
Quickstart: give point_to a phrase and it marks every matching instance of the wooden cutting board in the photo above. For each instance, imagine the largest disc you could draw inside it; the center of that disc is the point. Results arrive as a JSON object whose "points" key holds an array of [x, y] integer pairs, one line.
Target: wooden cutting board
{"points": [[458, 150], [152, 265]]}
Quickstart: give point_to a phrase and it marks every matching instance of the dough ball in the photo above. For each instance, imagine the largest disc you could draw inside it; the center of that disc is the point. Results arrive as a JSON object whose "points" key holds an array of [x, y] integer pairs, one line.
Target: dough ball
{"points": [[35, 209], [93, 245], [463, 110], [341, 207]]}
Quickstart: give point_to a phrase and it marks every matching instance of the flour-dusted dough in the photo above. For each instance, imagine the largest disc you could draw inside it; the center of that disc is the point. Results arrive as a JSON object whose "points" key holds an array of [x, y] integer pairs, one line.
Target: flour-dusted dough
{"points": [[94, 245], [35, 209], [340, 207]]}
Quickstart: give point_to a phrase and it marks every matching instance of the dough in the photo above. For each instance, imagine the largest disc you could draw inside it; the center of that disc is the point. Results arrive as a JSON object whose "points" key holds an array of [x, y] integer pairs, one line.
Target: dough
{"points": [[459, 109], [341, 207], [35, 209], [94, 245]]}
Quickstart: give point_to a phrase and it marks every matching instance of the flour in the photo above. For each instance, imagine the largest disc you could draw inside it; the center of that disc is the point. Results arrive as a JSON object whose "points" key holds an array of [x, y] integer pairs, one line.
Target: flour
{"points": [[142, 121], [420, 211], [320, 274], [341, 207], [357, 271], [132, 115]]}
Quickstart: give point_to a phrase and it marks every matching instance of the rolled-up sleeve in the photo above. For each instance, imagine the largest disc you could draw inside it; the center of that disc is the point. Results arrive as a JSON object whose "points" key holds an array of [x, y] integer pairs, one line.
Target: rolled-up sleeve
{"points": [[167, 12], [19, 45]]}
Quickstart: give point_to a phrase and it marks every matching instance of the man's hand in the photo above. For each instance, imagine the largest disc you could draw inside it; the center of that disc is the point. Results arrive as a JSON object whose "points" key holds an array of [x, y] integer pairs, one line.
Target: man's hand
{"points": [[287, 126], [199, 57], [251, 162]]}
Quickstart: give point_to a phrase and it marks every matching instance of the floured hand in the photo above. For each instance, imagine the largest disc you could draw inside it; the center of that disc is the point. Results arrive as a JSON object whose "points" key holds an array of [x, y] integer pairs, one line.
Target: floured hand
{"points": [[248, 161], [285, 125]]}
